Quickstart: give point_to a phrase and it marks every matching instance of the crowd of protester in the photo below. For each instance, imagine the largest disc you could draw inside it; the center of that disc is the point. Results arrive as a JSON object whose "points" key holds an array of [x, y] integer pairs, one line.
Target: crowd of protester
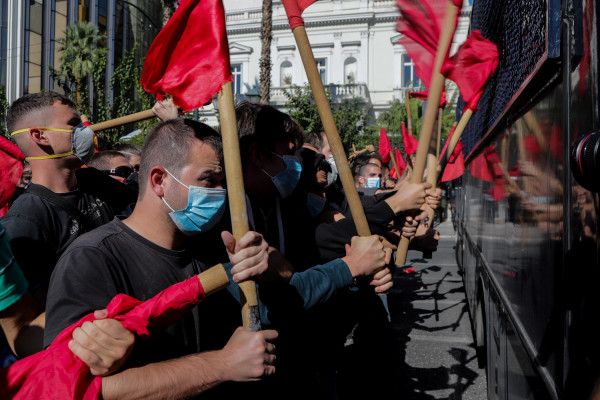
{"points": [[85, 226]]}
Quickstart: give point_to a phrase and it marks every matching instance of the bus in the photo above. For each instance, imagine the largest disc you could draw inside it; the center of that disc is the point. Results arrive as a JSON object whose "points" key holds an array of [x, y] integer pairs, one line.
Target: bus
{"points": [[526, 209]]}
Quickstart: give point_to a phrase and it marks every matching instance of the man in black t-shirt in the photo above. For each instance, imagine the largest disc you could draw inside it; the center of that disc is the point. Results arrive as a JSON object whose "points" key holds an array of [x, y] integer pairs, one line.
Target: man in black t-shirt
{"points": [[62, 201], [180, 195]]}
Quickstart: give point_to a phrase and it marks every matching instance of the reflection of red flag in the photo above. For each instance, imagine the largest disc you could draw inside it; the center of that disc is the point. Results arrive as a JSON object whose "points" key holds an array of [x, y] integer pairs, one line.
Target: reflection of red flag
{"points": [[11, 169], [420, 25], [475, 61], [456, 163], [385, 147], [189, 59], [294, 10], [400, 163], [56, 373], [480, 168], [410, 143]]}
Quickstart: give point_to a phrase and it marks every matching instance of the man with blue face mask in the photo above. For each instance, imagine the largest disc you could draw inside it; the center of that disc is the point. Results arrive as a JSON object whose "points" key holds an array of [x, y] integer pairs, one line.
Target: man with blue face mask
{"points": [[181, 196], [369, 176], [268, 142]]}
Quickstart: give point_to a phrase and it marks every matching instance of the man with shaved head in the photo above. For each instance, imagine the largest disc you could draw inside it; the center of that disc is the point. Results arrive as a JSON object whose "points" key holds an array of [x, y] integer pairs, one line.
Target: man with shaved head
{"points": [[62, 201]]}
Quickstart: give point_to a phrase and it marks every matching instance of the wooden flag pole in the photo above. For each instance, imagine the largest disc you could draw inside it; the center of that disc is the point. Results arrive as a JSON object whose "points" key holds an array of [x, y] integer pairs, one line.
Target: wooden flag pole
{"points": [[408, 114], [213, 279], [128, 119], [395, 164], [433, 98], [337, 149], [460, 128], [237, 198]]}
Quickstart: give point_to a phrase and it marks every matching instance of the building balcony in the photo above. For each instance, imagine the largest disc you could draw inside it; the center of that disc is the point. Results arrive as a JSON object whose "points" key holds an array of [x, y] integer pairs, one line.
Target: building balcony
{"points": [[339, 92]]}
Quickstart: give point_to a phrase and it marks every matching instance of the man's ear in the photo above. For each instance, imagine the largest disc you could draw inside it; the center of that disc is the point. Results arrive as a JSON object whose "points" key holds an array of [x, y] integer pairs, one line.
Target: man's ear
{"points": [[157, 180], [38, 137], [361, 180]]}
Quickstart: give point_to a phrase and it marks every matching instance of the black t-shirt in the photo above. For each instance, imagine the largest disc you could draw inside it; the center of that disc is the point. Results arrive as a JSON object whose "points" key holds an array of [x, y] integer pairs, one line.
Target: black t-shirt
{"points": [[114, 259], [39, 231]]}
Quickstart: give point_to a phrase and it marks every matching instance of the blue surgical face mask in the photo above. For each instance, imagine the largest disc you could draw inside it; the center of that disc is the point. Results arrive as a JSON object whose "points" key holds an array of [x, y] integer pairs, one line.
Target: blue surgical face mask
{"points": [[204, 209], [373, 183], [315, 204], [286, 180]]}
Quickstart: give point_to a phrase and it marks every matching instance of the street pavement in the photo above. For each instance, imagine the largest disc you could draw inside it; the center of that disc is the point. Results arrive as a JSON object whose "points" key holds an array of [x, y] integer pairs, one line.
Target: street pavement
{"points": [[433, 344]]}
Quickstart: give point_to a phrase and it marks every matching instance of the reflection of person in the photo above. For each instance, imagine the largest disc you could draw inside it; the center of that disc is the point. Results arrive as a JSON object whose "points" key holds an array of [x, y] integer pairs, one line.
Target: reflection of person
{"points": [[180, 196]]}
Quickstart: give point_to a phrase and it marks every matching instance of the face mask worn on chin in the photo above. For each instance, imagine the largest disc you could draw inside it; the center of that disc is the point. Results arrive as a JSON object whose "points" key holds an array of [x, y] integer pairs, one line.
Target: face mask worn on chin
{"points": [[331, 176], [315, 204], [286, 180], [373, 183], [83, 141], [204, 209]]}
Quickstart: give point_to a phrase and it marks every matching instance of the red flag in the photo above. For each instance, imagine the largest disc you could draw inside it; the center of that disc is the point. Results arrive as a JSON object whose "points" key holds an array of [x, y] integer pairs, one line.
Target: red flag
{"points": [[420, 23], [189, 59], [422, 95], [456, 163], [400, 163], [410, 143], [294, 10], [56, 373], [385, 147], [475, 61], [11, 169]]}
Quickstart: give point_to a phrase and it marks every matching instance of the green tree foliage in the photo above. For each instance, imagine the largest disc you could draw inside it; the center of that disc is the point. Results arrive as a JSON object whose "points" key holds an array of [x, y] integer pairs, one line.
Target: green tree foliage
{"points": [[350, 115], [127, 95], [392, 119], [79, 52]]}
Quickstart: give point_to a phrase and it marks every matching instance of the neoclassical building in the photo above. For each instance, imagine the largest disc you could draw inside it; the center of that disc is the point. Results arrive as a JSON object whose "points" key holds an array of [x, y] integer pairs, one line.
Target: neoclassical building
{"points": [[355, 44]]}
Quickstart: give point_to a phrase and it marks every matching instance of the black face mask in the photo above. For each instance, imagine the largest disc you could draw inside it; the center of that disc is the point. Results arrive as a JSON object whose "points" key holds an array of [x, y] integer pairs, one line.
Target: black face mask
{"points": [[122, 172]]}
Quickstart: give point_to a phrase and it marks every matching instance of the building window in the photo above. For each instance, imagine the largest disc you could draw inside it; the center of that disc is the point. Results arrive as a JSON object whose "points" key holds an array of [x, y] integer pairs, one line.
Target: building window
{"points": [[322, 67], [350, 70], [409, 77], [285, 74], [33, 46], [236, 70], [3, 45]]}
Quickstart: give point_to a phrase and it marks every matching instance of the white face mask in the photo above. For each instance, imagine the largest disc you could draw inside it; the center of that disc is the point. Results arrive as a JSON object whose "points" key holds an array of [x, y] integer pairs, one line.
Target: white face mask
{"points": [[332, 176]]}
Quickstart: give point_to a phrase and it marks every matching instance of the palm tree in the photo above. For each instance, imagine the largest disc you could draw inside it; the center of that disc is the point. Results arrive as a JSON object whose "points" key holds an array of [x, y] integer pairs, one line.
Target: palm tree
{"points": [[265, 56], [79, 51]]}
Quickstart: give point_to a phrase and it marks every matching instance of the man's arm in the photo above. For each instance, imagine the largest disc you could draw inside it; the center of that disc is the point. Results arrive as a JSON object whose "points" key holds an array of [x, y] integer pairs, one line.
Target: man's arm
{"points": [[248, 356]]}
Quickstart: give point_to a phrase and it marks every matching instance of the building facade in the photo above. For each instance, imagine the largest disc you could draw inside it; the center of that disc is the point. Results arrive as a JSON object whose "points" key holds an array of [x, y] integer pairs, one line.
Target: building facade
{"points": [[29, 31], [355, 44]]}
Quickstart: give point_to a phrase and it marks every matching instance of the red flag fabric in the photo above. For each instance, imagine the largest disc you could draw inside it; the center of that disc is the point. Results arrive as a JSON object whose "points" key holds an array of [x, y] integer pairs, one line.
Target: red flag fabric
{"points": [[56, 373], [423, 96], [474, 62], [400, 163], [420, 24], [385, 147], [11, 169], [294, 10], [189, 59], [456, 163], [410, 143]]}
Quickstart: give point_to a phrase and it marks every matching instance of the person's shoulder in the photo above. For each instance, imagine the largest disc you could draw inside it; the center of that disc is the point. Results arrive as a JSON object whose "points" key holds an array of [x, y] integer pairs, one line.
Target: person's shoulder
{"points": [[98, 237], [27, 214]]}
